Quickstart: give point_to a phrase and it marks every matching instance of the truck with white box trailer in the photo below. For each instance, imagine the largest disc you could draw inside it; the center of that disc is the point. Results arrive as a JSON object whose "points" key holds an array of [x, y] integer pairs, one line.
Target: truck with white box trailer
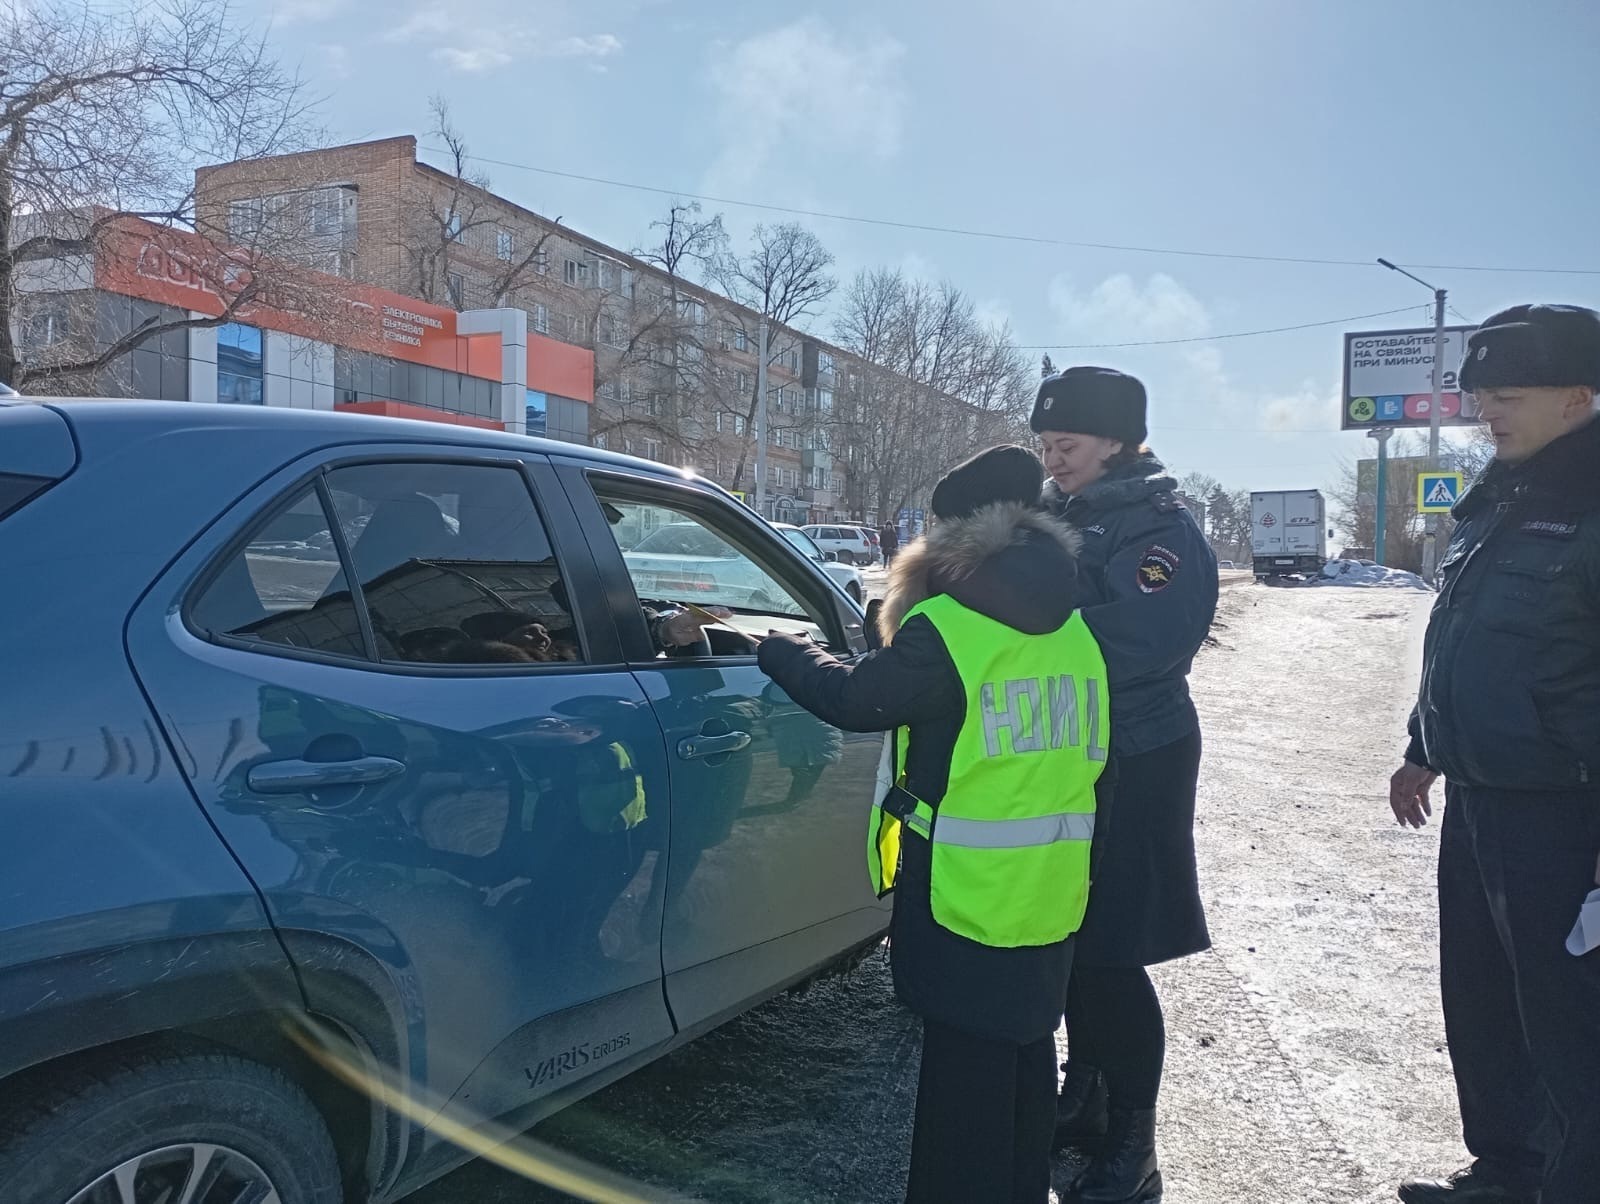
{"points": [[1288, 532]]}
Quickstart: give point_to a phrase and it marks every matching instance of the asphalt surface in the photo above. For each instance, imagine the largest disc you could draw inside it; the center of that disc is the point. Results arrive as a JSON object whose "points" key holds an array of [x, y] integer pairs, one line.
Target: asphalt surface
{"points": [[1305, 1052]]}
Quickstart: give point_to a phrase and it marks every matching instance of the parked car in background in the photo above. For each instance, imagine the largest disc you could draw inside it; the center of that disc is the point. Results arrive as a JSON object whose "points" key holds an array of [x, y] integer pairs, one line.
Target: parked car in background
{"points": [[846, 576], [345, 740], [849, 544], [1225, 565]]}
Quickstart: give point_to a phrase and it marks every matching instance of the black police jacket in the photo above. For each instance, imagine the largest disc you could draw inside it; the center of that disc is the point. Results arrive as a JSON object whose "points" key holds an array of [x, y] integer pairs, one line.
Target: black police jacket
{"points": [[1151, 581], [1510, 695]]}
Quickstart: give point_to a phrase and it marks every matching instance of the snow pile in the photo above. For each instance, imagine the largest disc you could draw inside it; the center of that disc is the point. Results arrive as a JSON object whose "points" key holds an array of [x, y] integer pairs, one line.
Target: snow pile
{"points": [[1366, 575]]}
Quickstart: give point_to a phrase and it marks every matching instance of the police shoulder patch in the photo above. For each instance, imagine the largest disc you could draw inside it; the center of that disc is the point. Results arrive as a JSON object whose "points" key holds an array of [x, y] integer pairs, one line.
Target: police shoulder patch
{"points": [[1157, 567]]}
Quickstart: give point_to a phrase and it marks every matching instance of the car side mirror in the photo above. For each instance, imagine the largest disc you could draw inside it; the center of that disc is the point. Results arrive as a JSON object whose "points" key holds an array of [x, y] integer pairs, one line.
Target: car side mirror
{"points": [[830, 556]]}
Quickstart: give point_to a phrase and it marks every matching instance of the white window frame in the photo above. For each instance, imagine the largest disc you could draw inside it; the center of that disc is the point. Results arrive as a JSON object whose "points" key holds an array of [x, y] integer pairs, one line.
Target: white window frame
{"points": [[505, 245]]}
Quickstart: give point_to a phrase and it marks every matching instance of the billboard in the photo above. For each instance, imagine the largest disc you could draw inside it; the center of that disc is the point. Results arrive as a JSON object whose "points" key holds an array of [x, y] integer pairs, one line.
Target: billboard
{"points": [[1388, 378]]}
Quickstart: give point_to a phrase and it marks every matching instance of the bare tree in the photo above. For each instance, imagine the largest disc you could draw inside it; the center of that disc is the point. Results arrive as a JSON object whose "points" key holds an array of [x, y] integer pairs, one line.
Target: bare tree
{"points": [[453, 225], [103, 114], [783, 278], [940, 383], [656, 370]]}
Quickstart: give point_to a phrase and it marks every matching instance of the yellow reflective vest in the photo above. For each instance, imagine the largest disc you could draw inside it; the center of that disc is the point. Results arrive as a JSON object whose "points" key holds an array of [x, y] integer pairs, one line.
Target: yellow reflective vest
{"points": [[1011, 836]]}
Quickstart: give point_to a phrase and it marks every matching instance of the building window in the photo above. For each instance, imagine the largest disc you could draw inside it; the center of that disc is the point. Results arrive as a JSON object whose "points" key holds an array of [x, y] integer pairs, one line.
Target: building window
{"points": [[536, 412], [738, 424], [452, 225], [741, 340], [457, 288], [239, 364], [794, 359], [824, 362], [539, 319], [48, 326], [327, 212], [608, 390], [824, 400], [505, 245], [577, 273], [653, 449], [611, 331]]}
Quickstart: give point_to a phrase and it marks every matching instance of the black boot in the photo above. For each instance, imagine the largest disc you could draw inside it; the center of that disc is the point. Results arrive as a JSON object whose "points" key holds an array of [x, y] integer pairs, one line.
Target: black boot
{"points": [[1080, 1109], [1470, 1186], [1124, 1171]]}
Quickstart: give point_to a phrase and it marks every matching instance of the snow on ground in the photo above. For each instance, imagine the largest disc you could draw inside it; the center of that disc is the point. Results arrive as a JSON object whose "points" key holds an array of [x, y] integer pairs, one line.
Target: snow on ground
{"points": [[1367, 576], [1306, 1059]]}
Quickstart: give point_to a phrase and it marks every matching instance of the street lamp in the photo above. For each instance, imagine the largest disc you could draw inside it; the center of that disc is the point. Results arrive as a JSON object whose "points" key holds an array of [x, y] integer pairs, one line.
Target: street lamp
{"points": [[1430, 545]]}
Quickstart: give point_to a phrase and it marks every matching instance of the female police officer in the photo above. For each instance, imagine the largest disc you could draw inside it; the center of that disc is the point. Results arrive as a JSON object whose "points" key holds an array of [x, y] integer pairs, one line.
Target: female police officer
{"points": [[1153, 581], [998, 692]]}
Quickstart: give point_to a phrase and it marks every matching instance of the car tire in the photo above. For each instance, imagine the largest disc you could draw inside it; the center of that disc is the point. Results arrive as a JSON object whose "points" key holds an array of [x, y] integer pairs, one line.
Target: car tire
{"points": [[854, 590], [169, 1116]]}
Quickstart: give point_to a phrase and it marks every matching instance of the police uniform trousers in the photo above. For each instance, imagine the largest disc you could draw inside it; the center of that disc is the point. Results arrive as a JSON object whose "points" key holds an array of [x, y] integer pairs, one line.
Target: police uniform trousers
{"points": [[986, 1112], [1521, 1013]]}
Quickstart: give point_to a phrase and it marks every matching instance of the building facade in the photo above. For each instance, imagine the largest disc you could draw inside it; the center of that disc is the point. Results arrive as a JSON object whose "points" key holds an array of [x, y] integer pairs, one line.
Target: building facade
{"points": [[674, 365]]}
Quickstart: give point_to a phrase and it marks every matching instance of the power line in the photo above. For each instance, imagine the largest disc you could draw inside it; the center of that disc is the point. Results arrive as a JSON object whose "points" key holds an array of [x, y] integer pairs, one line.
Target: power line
{"points": [[1001, 236], [1207, 338]]}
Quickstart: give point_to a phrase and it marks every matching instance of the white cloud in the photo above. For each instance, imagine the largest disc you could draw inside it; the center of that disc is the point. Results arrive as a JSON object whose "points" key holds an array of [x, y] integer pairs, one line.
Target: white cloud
{"points": [[475, 43], [296, 12], [800, 88], [597, 46], [1120, 310]]}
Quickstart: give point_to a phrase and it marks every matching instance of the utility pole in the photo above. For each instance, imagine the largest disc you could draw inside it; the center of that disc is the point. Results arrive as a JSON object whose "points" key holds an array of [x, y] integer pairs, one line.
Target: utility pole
{"points": [[1430, 543], [761, 421], [1382, 435]]}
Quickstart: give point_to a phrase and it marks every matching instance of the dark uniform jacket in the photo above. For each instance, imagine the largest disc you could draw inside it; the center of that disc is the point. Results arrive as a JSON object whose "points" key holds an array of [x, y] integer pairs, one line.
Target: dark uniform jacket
{"points": [[1510, 696], [1015, 565], [1150, 581]]}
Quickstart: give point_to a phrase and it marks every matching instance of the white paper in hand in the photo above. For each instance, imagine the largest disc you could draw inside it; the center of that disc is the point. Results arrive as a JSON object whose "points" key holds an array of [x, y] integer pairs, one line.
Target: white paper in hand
{"points": [[1585, 936]]}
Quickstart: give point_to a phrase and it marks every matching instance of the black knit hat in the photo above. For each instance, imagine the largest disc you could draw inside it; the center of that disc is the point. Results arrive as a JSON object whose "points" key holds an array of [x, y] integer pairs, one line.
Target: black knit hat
{"points": [[1534, 346], [1001, 474], [1091, 401]]}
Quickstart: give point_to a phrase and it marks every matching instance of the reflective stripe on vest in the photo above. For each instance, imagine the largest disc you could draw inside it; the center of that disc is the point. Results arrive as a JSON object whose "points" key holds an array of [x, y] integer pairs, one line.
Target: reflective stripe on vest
{"points": [[1011, 836]]}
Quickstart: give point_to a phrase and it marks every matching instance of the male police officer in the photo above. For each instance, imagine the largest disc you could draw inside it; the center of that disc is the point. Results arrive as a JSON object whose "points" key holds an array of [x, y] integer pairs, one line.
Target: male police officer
{"points": [[1509, 713]]}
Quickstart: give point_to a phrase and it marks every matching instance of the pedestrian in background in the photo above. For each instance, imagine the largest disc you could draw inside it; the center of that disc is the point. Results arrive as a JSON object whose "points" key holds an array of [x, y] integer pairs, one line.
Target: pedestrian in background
{"points": [[1509, 713], [889, 541], [1150, 592], [998, 693]]}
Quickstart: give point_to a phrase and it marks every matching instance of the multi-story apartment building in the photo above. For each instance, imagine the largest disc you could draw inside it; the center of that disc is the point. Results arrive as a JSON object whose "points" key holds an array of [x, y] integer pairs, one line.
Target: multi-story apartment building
{"points": [[675, 363]]}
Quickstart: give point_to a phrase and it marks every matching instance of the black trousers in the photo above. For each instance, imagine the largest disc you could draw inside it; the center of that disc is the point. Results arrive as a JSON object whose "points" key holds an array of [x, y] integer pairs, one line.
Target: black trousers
{"points": [[985, 1115], [1521, 1013]]}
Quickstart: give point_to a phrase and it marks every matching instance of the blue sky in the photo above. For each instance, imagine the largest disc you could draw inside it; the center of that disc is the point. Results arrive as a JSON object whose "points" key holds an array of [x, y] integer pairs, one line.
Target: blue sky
{"points": [[1456, 133]]}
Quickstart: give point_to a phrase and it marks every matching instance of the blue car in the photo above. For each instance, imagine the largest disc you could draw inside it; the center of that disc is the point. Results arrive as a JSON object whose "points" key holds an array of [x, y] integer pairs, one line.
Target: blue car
{"points": [[348, 795]]}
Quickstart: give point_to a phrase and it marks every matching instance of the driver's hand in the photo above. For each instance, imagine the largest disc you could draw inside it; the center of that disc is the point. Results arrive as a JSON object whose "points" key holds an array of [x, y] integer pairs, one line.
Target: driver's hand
{"points": [[686, 627]]}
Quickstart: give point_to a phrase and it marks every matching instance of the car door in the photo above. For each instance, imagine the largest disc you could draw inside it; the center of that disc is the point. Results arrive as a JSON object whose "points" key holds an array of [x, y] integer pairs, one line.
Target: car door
{"points": [[769, 805], [404, 707]]}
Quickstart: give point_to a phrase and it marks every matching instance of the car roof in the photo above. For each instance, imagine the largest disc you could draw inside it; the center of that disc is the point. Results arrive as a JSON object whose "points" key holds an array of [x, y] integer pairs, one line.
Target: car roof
{"points": [[328, 426]]}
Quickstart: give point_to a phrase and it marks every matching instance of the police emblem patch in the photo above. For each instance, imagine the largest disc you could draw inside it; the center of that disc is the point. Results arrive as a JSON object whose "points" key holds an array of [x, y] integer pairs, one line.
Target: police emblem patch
{"points": [[1156, 569]]}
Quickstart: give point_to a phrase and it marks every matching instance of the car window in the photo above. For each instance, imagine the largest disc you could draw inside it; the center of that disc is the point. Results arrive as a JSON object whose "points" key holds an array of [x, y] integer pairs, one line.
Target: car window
{"points": [[455, 564], [804, 542], [284, 587], [733, 578]]}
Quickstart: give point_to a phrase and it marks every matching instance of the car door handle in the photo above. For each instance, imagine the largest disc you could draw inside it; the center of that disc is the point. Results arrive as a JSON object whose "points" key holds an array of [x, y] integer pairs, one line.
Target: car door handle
{"points": [[297, 777], [691, 747]]}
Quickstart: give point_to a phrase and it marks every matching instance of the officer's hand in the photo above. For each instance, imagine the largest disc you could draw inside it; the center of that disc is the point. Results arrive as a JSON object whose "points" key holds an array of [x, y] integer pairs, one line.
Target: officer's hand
{"points": [[1408, 794]]}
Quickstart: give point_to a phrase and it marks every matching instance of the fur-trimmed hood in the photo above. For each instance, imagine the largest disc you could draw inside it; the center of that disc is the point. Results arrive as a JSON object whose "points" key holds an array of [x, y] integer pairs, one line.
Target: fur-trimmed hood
{"points": [[1014, 563], [1126, 485]]}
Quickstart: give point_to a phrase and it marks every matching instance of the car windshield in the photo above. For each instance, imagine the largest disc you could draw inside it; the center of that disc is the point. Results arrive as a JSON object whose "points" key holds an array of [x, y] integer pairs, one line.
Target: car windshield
{"points": [[804, 542], [684, 539]]}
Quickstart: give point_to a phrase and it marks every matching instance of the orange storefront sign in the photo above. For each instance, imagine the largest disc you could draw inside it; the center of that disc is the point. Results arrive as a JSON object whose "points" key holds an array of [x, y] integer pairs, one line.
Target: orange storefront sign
{"points": [[182, 269]]}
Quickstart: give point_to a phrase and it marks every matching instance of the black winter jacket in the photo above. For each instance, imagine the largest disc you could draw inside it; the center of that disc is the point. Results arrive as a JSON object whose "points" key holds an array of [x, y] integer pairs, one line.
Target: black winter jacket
{"points": [[1510, 695], [1015, 565], [1150, 593]]}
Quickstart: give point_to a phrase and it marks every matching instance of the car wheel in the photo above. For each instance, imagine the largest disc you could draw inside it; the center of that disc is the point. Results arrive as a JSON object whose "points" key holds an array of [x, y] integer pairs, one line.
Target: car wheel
{"points": [[203, 1127]]}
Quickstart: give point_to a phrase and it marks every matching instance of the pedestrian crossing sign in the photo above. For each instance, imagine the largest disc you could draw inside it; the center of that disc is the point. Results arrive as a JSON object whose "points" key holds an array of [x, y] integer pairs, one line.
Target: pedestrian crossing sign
{"points": [[1437, 492]]}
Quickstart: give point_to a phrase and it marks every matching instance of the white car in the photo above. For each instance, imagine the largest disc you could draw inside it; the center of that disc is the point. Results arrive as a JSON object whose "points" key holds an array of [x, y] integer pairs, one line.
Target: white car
{"points": [[849, 544], [848, 578]]}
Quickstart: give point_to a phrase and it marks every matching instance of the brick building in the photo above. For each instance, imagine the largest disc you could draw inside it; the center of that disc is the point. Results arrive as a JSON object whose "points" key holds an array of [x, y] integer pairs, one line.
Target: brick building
{"points": [[674, 364]]}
